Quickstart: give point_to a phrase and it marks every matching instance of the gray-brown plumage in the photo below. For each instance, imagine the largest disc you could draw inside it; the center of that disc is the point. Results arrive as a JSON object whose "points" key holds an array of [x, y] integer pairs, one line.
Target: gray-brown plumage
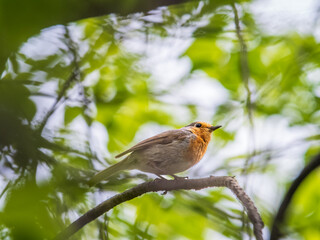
{"points": [[166, 153]]}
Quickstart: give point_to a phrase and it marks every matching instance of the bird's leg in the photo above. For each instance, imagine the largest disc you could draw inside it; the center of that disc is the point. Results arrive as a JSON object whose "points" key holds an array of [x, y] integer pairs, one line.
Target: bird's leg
{"points": [[154, 165], [177, 177]]}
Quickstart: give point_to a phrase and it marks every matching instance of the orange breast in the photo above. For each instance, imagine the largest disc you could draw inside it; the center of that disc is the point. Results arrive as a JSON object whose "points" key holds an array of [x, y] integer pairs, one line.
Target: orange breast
{"points": [[196, 151]]}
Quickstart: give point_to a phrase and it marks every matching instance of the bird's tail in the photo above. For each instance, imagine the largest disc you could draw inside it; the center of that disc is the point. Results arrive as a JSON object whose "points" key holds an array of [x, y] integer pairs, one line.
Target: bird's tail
{"points": [[125, 164]]}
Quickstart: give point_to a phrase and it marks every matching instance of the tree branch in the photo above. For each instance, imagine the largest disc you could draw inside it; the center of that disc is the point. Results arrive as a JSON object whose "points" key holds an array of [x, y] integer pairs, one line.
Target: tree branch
{"points": [[169, 185], [75, 74], [245, 76], [278, 220]]}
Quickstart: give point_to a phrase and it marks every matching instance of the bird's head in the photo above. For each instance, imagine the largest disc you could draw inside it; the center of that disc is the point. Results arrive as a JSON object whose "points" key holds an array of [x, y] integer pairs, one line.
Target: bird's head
{"points": [[202, 129]]}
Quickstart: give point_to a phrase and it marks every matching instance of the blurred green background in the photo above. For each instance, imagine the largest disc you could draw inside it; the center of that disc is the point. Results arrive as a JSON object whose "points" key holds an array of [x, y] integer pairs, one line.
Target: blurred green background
{"points": [[82, 81]]}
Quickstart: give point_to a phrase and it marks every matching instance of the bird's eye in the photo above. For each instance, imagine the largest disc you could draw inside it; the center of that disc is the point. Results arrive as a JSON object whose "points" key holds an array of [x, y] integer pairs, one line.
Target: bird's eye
{"points": [[198, 125]]}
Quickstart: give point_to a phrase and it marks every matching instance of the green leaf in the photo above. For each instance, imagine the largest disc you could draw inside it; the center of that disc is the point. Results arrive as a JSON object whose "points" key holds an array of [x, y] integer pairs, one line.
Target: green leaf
{"points": [[71, 113]]}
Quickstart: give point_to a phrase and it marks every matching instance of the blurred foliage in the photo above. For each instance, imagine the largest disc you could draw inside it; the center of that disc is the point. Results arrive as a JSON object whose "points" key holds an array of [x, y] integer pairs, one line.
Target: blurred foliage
{"points": [[51, 12], [75, 95]]}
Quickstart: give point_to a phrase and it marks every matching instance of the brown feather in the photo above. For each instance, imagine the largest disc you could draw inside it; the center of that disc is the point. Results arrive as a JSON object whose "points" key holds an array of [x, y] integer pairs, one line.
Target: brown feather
{"points": [[162, 138]]}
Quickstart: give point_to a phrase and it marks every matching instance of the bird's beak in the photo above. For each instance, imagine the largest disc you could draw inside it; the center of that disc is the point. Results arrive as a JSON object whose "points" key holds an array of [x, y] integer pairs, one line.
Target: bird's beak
{"points": [[212, 128]]}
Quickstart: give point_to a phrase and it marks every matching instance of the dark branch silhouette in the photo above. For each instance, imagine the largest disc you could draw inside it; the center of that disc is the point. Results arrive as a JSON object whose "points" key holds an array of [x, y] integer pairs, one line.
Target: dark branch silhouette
{"points": [[279, 218], [169, 185]]}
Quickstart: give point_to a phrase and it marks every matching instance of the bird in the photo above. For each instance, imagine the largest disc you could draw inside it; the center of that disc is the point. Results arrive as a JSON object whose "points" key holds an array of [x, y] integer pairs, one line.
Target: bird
{"points": [[167, 153]]}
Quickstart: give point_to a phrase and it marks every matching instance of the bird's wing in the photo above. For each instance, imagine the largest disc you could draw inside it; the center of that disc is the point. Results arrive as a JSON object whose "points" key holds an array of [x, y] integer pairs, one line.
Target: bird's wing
{"points": [[162, 138]]}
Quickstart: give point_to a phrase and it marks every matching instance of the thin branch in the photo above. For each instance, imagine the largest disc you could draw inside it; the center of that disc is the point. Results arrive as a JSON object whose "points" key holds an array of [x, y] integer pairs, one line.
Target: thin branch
{"points": [[169, 185], [15, 182], [73, 77], [245, 75], [278, 220], [244, 68], [5, 189]]}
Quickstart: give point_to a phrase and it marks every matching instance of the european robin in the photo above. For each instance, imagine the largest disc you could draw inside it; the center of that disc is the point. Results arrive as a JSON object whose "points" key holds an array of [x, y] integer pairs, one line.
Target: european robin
{"points": [[167, 153]]}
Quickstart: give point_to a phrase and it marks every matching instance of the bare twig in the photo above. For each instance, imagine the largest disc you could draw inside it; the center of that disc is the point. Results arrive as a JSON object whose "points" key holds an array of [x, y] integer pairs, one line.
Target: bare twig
{"points": [[244, 68], [169, 185], [73, 77], [245, 75], [278, 220], [5, 189]]}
